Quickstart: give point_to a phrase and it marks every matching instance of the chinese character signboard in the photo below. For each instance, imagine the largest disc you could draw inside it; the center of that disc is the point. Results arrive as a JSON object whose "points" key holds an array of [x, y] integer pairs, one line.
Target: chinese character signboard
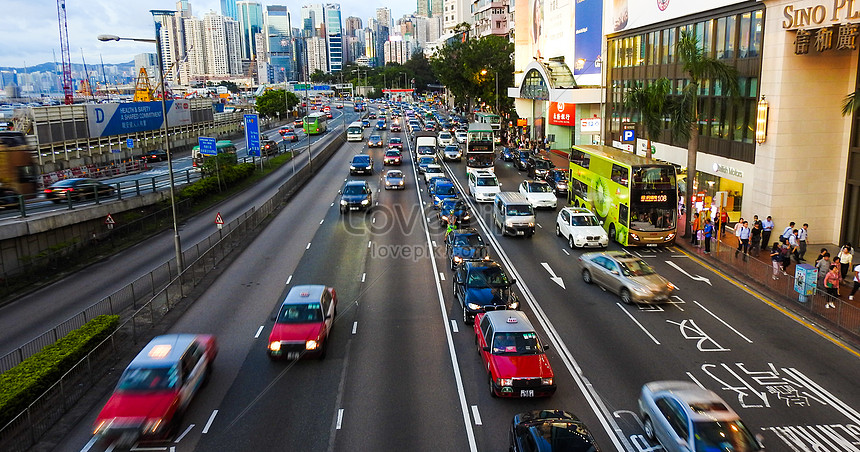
{"points": [[562, 114]]}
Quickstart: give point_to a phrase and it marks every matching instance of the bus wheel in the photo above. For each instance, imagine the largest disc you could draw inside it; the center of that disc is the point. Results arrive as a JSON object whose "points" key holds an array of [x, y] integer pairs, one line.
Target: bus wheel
{"points": [[612, 236]]}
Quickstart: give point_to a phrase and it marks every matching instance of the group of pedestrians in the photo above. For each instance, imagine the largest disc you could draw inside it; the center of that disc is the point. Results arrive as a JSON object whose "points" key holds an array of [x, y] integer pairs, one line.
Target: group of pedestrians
{"points": [[832, 271]]}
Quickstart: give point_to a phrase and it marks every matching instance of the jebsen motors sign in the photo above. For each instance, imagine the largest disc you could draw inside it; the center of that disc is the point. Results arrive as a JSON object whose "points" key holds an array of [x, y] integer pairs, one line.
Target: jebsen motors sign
{"points": [[562, 114]]}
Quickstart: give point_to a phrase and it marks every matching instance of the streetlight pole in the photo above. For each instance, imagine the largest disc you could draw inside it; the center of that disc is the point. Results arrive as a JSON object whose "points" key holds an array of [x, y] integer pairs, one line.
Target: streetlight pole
{"points": [[177, 244]]}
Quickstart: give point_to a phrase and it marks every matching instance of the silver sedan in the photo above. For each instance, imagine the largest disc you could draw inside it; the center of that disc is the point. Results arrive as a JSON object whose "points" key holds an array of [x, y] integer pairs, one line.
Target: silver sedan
{"points": [[626, 275], [394, 179]]}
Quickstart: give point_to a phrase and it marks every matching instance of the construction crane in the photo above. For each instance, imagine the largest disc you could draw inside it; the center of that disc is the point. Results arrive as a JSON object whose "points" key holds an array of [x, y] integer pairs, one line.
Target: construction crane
{"points": [[65, 56], [143, 89]]}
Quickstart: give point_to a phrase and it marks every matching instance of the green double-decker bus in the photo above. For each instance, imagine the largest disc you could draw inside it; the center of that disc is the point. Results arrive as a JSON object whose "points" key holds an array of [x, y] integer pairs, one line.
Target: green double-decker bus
{"points": [[636, 200], [315, 123]]}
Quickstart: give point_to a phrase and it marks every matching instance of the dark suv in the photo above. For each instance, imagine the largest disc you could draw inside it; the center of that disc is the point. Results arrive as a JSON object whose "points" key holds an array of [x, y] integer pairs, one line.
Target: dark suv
{"points": [[482, 285], [462, 244], [356, 195], [557, 179]]}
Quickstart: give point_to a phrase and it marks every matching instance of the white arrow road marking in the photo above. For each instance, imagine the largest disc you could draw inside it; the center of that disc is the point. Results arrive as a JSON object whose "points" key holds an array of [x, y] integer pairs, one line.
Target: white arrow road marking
{"points": [[552, 276], [694, 278]]}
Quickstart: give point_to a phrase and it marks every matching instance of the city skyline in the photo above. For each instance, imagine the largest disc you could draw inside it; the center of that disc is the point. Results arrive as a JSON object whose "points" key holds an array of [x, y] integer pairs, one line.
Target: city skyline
{"points": [[35, 40]]}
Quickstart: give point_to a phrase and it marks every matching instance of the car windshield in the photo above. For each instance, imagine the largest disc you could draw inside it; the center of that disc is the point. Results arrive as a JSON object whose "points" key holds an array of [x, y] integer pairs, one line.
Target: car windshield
{"points": [[584, 220], [723, 436], [487, 182], [353, 190], [520, 210], [394, 140], [392, 154], [65, 183], [521, 343], [375, 138], [300, 313], [149, 379], [543, 164], [425, 150], [636, 268], [426, 160], [536, 187], [394, 175], [446, 190], [444, 136], [564, 436], [486, 277], [468, 240], [361, 159], [433, 169], [452, 149]]}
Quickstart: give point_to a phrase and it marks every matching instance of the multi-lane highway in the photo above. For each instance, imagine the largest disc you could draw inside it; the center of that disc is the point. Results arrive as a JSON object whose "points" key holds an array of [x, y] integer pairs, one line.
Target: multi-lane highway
{"points": [[402, 372]]}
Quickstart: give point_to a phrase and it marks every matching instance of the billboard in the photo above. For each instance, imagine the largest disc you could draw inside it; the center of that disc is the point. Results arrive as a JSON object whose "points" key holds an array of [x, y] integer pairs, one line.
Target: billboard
{"points": [[588, 39], [562, 114], [104, 120], [629, 14]]}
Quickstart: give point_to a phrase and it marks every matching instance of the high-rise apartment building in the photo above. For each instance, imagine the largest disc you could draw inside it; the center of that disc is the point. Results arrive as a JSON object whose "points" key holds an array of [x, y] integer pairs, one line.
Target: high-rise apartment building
{"points": [[383, 16], [397, 51], [317, 59], [455, 12], [279, 44], [350, 25], [312, 20], [334, 37], [222, 46], [429, 8], [250, 23]]}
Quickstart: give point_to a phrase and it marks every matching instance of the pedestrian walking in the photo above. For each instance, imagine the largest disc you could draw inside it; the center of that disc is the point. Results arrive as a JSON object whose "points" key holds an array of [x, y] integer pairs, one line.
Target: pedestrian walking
{"points": [[823, 265], [821, 255], [846, 256], [775, 259], [694, 230], [724, 219], [766, 229], [831, 285], [755, 237], [794, 245], [743, 239], [785, 253], [738, 226], [708, 232], [856, 282], [786, 232], [802, 237]]}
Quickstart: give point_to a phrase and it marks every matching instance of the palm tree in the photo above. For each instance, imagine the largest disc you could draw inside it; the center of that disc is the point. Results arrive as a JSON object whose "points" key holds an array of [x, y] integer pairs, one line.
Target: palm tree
{"points": [[685, 110], [650, 102], [850, 104]]}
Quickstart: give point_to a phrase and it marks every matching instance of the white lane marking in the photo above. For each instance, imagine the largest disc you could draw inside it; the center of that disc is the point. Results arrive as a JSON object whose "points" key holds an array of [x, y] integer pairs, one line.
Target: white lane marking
{"points": [[565, 251], [678, 255], [354, 327], [339, 418], [476, 415], [363, 275], [822, 393], [368, 243], [434, 243], [552, 276], [209, 422], [694, 278], [454, 326], [309, 246], [637, 322], [321, 221], [179, 438], [332, 205], [723, 322], [373, 221], [260, 330], [441, 276], [290, 278], [89, 445], [538, 225]]}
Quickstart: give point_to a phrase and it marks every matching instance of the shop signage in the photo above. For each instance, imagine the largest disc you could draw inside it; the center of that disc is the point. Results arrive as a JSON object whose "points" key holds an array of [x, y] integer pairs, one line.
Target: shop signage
{"points": [[840, 11], [837, 25], [728, 170], [562, 114], [589, 125]]}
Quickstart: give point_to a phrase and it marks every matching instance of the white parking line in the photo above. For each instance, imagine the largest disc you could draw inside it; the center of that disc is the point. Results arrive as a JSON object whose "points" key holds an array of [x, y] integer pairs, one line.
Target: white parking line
{"points": [[454, 326], [209, 422], [309, 246], [339, 418], [179, 438], [637, 322], [354, 327], [476, 415], [368, 243], [260, 330], [288, 280]]}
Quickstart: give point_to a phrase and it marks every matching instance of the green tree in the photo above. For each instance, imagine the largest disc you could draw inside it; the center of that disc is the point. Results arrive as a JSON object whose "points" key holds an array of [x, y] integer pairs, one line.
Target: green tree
{"points": [[319, 76], [459, 67], [272, 103], [850, 104], [650, 101], [418, 68], [685, 109]]}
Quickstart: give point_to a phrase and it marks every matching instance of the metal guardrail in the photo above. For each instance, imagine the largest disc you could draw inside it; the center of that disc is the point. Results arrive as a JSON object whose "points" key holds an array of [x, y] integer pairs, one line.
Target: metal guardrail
{"points": [[24, 431]]}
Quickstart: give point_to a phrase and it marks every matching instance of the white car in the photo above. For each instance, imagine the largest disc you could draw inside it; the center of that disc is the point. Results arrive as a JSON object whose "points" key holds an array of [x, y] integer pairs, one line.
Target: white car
{"points": [[445, 138], [539, 194], [483, 185], [460, 136], [432, 170], [581, 228]]}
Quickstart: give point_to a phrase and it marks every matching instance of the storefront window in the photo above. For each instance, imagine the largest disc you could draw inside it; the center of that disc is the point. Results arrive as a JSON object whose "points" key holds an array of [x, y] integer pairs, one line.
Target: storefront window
{"points": [[744, 39], [721, 38], [755, 40], [730, 37]]}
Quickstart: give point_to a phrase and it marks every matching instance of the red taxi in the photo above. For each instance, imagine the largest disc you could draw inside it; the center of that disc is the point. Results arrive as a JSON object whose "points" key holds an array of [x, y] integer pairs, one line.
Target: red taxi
{"points": [[513, 355], [392, 157], [303, 323], [156, 387]]}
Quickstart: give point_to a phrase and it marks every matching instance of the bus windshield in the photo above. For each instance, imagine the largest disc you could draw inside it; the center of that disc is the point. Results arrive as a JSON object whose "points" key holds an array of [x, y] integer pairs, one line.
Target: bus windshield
{"points": [[653, 177], [354, 129]]}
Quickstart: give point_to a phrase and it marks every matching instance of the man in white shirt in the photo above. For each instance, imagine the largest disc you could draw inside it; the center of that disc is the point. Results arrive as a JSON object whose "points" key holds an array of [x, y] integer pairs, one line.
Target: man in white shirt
{"points": [[856, 282], [767, 228], [793, 245], [802, 235], [743, 235]]}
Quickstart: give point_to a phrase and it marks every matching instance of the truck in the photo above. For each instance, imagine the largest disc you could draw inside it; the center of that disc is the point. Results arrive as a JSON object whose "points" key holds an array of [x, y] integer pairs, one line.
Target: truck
{"points": [[426, 142]]}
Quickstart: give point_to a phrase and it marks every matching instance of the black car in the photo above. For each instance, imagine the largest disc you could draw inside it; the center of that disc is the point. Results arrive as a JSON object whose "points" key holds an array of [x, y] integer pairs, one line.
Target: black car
{"points": [[454, 208], [538, 167], [462, 244], [156, 155], [521, 159], [78, 188], [482, 285], [557, 179], [356, 195], [268, 147], [361, 163], [549, 431]]}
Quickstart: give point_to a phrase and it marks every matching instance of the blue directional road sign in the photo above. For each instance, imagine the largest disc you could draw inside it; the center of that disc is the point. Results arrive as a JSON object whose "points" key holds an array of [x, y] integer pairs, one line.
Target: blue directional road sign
{"points": [[252, 135], [628, 136], [207, 146], [129, 143]]}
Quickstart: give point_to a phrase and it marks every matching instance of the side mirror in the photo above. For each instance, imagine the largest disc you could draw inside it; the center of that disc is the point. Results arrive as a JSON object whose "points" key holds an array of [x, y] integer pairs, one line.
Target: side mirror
{"points": [[486, 349], [615, 272], [546, 347], [328, 316]]}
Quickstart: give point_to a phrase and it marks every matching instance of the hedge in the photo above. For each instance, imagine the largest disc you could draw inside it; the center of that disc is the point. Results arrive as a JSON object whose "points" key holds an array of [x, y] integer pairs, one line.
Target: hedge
{"points": [[209, 184], [22, 384]]}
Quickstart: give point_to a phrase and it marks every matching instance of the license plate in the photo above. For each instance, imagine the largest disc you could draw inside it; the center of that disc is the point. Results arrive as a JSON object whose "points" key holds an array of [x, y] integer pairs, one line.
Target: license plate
{"points": [[353, 208], [293, 355], [651, 244], [520, 232], [527, 392]]}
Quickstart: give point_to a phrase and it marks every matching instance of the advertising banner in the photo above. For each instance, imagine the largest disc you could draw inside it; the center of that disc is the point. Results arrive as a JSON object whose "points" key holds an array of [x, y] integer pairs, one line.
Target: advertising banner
{"points": [[629, 14], [114, 119], [588, 38], [562, 114]]}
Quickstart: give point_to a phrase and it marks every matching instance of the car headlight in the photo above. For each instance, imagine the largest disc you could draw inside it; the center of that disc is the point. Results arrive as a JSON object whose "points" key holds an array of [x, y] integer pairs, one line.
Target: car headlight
{"points": [[458, 259], [670, 236], [531, 225], [365, 202], [401, 183], [467, 216], [275, 346], [560, 186], [514, 304], [103, 425], [351, 167], [343, 202], [473, 306], [152, 425], [387, 182], [641, 290], [671, 286], [506, 381], [311, 345], [546, 381]]}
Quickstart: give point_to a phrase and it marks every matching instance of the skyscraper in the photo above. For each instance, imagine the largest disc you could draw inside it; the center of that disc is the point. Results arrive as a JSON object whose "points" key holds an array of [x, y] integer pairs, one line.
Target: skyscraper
{"points": [[250, 20], [228, 8], [383, 16], [350, 25], [429, 8], [334, 37], [279, 45]]}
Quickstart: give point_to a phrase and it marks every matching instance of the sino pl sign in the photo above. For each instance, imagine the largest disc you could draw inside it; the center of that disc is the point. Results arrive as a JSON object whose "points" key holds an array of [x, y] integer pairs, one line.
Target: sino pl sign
{"points": [[114, 119]]}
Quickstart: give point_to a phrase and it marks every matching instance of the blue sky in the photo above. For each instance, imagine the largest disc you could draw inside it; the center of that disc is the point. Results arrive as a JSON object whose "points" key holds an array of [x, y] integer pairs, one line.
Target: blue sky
{"points": [[29, 30]]}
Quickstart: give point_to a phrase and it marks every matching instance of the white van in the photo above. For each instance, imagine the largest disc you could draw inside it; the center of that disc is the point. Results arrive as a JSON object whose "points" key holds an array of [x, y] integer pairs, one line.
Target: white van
{"points": [[513, 214], [355, 132]]}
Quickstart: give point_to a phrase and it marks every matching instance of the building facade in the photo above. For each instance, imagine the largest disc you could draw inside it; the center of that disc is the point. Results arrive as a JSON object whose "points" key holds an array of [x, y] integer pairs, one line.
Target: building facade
{"points": [[334, 37], [250, 23], [279, 44]]}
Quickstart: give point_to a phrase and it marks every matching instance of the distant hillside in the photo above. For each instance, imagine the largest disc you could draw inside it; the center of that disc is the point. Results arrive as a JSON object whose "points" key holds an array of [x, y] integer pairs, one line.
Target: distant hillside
{"points": [[50, 67]]}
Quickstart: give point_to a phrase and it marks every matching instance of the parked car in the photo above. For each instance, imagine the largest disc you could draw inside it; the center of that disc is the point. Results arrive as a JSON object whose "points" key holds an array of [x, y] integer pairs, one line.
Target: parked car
{"points": [[539, 194], [580, 228], [394, 179], [550, 431], [303, 323], [155, 155], [626, 275], [482, 285], [463, 244], [557, 179], [355, 195], [78, 189], [683, 417]]}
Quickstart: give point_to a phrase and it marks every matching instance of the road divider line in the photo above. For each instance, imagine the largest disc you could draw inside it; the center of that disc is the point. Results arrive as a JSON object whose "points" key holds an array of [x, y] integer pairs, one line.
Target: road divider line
{"points": [[637, 323], [339, 419], [565, 251], [89, 445], [441, 276], [209, 422], [354, 327], [368, 243], [476, 415], [179, 438], [260, 330], [321, 221], [723, 322], [454, 326], [290, 278], [363, 276], [309, 246]]}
